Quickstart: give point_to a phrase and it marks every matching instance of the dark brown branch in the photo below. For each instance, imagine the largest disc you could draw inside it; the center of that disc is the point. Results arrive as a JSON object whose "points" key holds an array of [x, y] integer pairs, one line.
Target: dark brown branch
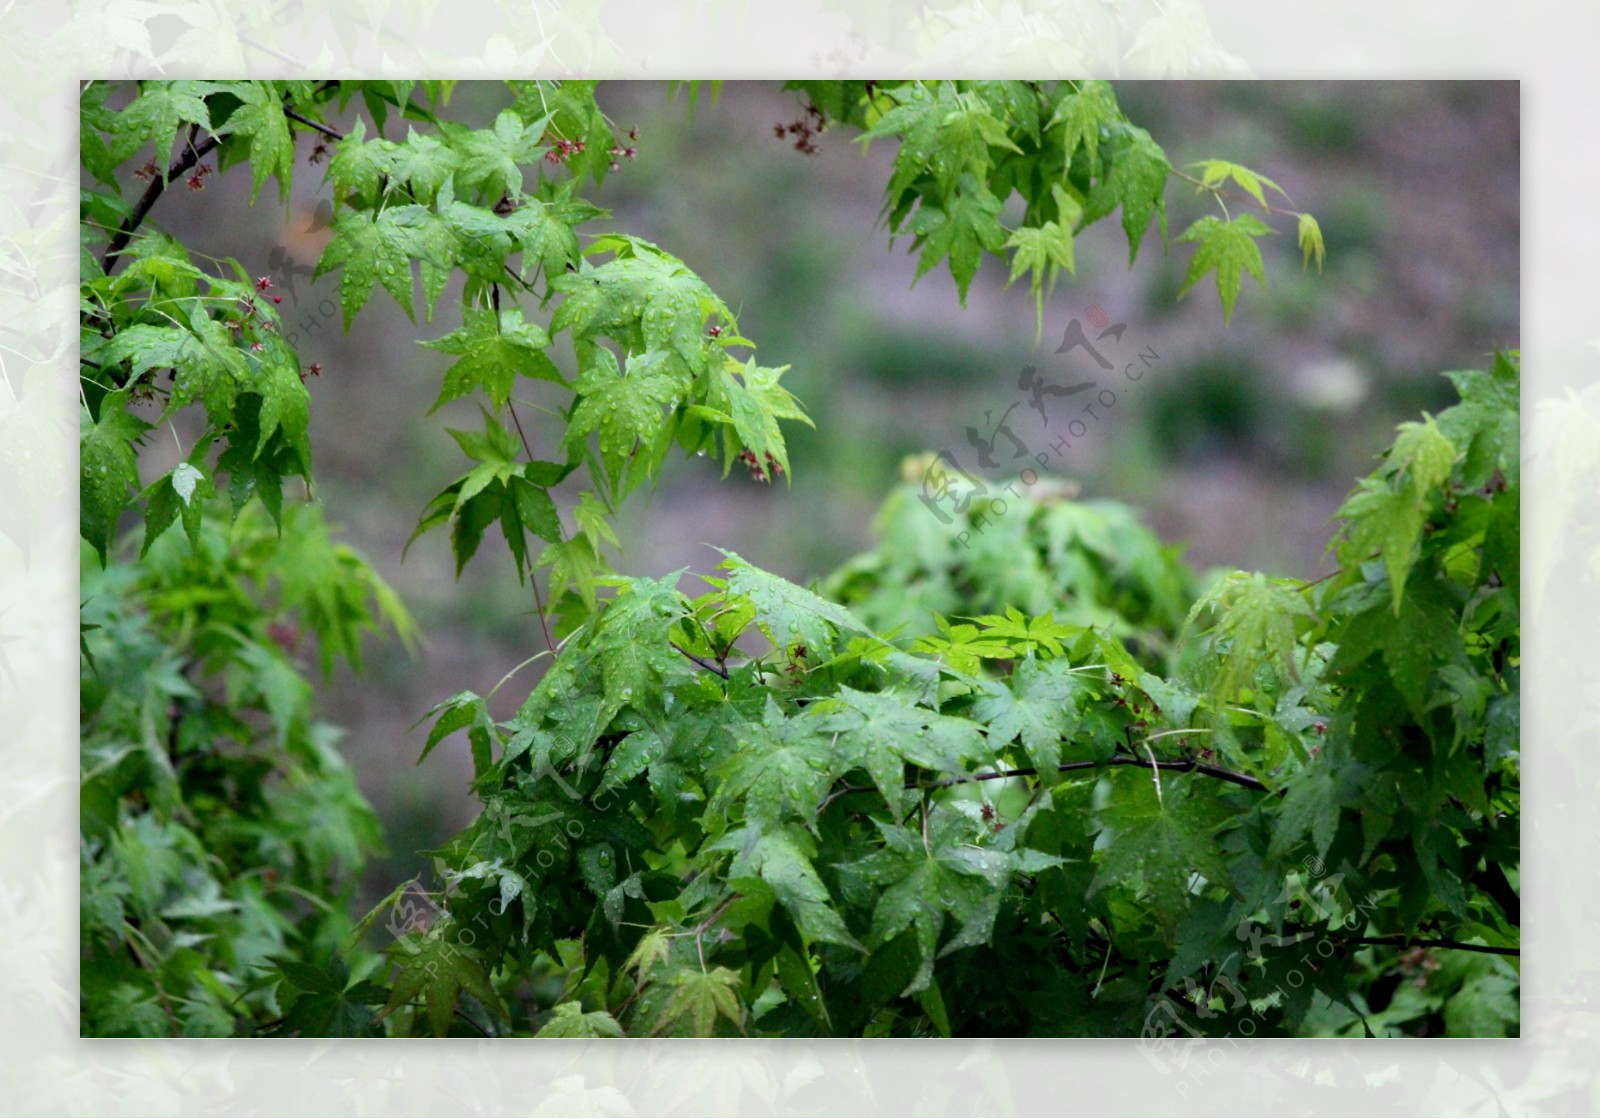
{"points": [[1402, 941], [707, 665], [334, 133], [1243, 780], [192, 154]]}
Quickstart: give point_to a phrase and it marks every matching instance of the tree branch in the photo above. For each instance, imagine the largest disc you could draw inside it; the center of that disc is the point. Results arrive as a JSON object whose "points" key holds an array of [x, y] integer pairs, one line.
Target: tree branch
{"points": [[708, 666], [193, 153], [1400, 940], [1243, 780], [333, 133]]}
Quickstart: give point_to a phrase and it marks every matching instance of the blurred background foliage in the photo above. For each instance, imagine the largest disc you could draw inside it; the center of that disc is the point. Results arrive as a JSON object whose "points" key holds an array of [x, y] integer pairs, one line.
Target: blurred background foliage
{"points": [[1238, 444]]}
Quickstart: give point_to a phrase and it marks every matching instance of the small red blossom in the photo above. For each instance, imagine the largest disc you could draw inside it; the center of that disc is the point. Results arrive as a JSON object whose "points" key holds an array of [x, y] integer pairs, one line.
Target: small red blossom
{"points": [[263, 283]]}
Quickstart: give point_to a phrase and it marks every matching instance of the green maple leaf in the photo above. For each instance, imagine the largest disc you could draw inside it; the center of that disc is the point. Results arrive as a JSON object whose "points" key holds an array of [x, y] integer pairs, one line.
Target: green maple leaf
{"points": [[253, 469], [922, 884], [1416, 640], [881, 732], [1230, 248], [962, 145], [569, 1020], [1043, 251], [435, 244], [372, 247], [624, 410], [211, 368], [424, 163], [1083, 113], [1162, 839], [108, 463], [491, 159], [328, 1004], [156, 116], [359, 167], [788, 613], [632, 646], [1312, 801], [783, 857], [591, 516], [699, 997], [260, 120], [285, 406], [437, 969], [915, 118], [644, 298], [543, 232], [1309, 235], [1485, 424], [1040, 707], [574, 563], [493, 352], [1136, 180], [464, 710], [781, 771], [207, 364], [1215, 172], [968, 224], [750, 400], [181, 492], [1261, 619], [1387, 510], [1028, 636], [962, 646], [516, 494]]}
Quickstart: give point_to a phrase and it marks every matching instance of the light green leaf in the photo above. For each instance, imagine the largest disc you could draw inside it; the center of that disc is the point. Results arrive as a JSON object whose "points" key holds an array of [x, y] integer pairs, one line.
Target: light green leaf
{"points": [[1230, 248]]}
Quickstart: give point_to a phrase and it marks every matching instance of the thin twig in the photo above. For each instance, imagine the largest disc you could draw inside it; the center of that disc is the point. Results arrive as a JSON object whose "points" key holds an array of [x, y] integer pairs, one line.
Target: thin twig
{"points": [[468, 1020], [709, 667], [1402, 941], [333, 133], [1243, 780], [192, 155]]}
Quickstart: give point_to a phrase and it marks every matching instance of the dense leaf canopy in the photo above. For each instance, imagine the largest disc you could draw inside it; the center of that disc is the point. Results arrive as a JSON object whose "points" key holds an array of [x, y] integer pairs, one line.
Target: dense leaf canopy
{"points": [[1029, 775]]}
